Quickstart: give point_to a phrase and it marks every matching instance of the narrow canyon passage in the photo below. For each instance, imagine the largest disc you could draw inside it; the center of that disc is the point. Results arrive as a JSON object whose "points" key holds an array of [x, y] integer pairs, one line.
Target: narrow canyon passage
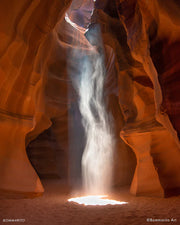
{"points": [[89, 108], [89, 83]]}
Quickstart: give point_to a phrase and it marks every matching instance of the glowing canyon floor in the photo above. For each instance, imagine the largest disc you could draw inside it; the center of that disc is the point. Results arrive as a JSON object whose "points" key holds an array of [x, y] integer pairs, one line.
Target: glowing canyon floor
{"points": [[53, 208]]}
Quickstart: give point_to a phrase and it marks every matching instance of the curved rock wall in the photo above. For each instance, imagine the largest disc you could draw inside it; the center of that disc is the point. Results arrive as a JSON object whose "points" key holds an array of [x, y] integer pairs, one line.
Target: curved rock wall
{"points": [[141, 43], [152, 31], [24, 26]]}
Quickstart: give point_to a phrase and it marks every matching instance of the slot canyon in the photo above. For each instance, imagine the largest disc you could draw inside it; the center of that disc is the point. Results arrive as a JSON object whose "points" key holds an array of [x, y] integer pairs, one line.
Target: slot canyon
{"points": [[90, 106]]}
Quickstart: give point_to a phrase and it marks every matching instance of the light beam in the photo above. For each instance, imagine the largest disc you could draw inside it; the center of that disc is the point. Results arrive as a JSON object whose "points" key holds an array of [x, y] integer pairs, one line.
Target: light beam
{"points": [[100, 200]]}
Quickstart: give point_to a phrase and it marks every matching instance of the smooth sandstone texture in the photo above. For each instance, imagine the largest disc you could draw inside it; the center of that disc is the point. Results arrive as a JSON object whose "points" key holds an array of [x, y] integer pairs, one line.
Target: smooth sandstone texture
{"points": [[147, 25], [134, 36], [38, 103], [24, 26]]}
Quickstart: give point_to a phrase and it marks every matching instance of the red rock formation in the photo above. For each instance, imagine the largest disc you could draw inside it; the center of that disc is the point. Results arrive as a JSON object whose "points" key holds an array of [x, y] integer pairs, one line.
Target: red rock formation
{"points": [[152, 31], [24, 27], [141, 42]]}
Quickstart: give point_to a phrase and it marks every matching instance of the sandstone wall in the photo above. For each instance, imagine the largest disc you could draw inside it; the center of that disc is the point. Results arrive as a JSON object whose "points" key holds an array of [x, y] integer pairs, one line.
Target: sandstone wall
{"points": [[24, 26], [152, 30], [38, 100]]}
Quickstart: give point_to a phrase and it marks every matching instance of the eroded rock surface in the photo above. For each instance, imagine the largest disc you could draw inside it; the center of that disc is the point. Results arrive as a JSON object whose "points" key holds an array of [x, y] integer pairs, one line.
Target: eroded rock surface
{"points": [[141, 42], [147, 25], [24, 27]]}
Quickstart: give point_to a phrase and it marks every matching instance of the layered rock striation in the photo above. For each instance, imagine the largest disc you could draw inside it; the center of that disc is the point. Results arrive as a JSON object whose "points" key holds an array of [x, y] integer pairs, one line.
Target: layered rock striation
{"points": [[24, 28], [38, 102]]}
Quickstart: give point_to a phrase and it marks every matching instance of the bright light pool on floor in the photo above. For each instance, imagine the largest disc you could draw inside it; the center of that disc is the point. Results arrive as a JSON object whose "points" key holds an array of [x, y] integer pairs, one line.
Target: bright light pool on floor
{"points": [[95, 200]]}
